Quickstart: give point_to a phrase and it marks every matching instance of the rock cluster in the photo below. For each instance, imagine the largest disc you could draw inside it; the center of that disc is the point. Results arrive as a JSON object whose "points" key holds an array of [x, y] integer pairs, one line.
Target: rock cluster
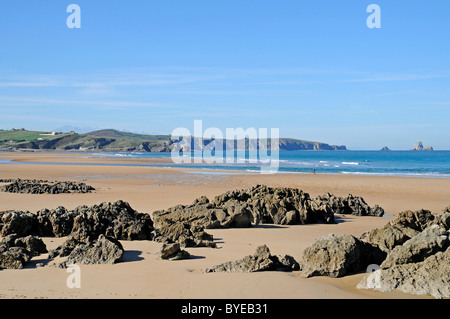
{"points": [[93, 231], [261, 260], [350, 205], [264, 205], [43, 187], [418, 255], [407, 225], [116, 220], [419, 147], [412, 254], [16, 251]]}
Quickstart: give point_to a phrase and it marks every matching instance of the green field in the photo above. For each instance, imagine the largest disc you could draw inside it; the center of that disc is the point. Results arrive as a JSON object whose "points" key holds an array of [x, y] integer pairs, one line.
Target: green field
{"points": [[24, 136]]}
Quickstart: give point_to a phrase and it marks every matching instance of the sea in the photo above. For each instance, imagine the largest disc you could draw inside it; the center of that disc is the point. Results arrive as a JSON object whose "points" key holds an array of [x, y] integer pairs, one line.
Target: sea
{"points": [[382, 163]]}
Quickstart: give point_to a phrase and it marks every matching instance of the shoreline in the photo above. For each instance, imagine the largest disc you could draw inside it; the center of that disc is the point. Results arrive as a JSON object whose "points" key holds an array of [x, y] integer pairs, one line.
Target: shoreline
{"points": [[95, 159]]}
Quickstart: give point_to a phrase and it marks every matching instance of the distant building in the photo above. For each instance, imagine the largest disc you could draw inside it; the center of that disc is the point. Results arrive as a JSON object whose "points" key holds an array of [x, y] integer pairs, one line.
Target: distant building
{"points": [[52, 133]]}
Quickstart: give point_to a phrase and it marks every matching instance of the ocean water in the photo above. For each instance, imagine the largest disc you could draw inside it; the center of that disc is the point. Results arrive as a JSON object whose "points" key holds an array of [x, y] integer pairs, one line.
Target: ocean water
{"points": [[383, 163]]}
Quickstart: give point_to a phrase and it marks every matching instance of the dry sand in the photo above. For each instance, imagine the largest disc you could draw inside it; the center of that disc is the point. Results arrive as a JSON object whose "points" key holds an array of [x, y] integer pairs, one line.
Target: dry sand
{"points": [[144, 275]]}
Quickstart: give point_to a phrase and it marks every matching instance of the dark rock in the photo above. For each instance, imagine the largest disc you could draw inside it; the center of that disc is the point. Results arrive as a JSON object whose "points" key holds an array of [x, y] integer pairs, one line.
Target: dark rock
{"points": [[45, 187], [13, 257], [351, 205], [261, 260], [103, 250], [243, 208], [173, 252], [116, 220], [56, 222], [16, 251], [33, 244], [16, 222], [184, 234]]}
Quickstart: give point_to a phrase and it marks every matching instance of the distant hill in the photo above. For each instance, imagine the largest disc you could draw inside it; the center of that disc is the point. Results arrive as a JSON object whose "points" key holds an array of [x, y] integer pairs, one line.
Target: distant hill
{"points": [[117, 141]]}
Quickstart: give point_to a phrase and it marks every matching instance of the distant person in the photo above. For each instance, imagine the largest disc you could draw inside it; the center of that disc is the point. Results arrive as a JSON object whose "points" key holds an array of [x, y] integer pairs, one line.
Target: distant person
{"points": [[314, 170]]}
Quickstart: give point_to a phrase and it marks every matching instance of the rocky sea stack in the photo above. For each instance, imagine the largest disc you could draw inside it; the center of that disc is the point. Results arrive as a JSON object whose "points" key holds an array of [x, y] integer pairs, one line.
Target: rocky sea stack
{"points": [[419, 147]]}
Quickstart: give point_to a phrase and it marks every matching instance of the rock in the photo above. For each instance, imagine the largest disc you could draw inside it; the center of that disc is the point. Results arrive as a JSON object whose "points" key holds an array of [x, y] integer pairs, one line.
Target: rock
{"points": [[104, 250], [430, 276], [45, 187], [337, 255], [419, 147], [407, 225], [388, 237], [67, 247], [184, 234], [33, 244], [420, 264], [206, 215], [173, 252], [16, 251], [13, 257], [351, 205], [243, 208], [56, 222], [443, 219], [385, 148], [116, 220], [16, 222], [261, 260], [430, 241], [417, 220]]}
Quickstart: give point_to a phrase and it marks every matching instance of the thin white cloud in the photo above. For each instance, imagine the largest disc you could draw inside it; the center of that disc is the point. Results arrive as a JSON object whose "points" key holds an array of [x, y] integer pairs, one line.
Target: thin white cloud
{"points": [[395, 78], [32, 101]]}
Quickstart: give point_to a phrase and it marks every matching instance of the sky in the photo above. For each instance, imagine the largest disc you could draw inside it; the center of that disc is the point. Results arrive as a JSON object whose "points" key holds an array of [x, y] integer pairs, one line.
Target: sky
{"points": [[313, 69]]}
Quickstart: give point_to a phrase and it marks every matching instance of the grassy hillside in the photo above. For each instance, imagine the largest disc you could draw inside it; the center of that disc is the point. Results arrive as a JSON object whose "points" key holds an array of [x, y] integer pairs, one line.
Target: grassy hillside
{"points": [[110, 133]]}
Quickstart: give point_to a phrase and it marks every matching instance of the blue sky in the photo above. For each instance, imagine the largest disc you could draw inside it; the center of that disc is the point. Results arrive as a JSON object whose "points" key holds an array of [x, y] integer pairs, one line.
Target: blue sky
{"points": [[311, 68]]}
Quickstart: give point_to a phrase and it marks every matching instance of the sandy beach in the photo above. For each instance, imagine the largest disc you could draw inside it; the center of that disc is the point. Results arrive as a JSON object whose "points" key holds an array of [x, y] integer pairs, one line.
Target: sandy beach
{"points": [[144, 275]]}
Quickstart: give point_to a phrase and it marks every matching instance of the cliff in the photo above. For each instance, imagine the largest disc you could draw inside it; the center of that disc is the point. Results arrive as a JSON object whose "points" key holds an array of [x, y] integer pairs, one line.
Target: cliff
{"points": [[117, 141]]}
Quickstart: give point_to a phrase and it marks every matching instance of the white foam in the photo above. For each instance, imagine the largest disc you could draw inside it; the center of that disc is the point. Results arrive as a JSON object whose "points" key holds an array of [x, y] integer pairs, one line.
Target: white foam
{"points": [[350, 163]]}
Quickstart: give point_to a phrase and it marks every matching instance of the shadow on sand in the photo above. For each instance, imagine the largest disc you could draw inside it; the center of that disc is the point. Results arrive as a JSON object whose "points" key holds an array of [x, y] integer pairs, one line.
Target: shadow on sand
{"points": [[132, 255]]}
